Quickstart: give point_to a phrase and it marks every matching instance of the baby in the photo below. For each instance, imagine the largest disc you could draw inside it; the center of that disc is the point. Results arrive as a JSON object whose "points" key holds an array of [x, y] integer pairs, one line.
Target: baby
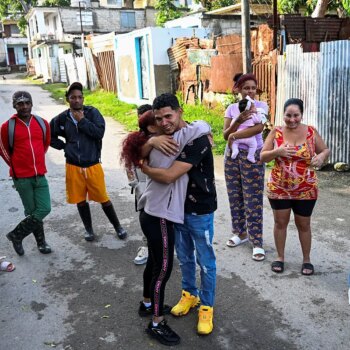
{"points": [[247, 104]]}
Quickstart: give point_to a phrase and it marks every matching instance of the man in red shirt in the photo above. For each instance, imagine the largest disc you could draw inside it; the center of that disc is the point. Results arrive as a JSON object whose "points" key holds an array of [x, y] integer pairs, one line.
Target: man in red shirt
{"points": [[24, 140]]}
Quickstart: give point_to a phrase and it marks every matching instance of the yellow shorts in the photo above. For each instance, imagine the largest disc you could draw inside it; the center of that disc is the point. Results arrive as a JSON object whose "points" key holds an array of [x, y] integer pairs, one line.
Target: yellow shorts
{"points": [[85, 184]]}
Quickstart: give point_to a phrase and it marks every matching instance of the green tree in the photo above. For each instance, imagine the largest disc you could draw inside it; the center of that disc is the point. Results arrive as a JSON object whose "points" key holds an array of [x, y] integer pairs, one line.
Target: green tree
{"points": [[215, 4], [166, 11], [316, 8]]}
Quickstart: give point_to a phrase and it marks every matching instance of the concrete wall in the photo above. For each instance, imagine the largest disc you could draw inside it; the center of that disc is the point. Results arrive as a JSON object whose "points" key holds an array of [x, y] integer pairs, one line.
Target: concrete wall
{"points": [[105, 20], [163, 79], [216, 24], [158, 74]]}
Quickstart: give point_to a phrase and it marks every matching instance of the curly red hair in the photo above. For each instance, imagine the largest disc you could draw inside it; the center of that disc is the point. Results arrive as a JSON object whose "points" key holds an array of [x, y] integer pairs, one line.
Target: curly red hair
{"points": [[131, 147]]}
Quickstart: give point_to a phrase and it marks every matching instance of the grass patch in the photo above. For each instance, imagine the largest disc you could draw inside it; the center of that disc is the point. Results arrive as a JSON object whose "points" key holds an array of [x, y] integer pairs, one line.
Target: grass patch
{"points": [[125, 113], [214, 117]]}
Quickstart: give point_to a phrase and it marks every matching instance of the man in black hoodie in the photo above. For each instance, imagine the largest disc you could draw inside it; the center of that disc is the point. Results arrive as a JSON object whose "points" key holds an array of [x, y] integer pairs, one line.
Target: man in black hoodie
{"points": [[83, 128]]}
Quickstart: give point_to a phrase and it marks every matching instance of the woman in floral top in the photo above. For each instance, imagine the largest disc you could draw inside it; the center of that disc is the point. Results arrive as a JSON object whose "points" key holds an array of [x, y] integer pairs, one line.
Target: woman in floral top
{"points": [[292, 186]]}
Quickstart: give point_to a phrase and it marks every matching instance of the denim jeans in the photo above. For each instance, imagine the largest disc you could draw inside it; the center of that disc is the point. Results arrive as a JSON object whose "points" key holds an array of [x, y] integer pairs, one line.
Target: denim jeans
{"points": [[193, 242]]}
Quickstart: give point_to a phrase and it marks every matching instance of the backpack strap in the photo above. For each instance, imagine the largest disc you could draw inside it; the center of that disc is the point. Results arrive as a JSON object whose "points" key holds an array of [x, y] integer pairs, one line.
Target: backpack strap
{"points": [[11, 133], [42, 125], [11, 130]]}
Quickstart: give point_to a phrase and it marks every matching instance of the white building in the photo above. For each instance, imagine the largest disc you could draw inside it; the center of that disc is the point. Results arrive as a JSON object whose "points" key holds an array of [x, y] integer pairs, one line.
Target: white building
{"points": [[13, 46], [55, 31]]}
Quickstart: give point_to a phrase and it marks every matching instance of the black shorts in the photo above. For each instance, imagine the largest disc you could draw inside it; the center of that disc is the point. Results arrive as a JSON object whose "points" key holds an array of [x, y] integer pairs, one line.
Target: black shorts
{"points": [[303, 207]]}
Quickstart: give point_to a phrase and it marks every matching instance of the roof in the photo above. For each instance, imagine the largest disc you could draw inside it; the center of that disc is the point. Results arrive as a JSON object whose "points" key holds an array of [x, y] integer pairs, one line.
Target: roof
{"points": [[255, 9]]}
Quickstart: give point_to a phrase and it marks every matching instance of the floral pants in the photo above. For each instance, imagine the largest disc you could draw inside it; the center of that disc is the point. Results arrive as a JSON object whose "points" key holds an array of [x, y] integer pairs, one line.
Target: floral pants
{"points": [[245, 187]]}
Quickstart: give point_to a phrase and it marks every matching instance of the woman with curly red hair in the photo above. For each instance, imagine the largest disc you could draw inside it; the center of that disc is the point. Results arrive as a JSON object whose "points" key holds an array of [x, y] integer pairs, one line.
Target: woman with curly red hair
{"points": [[131, 157]]}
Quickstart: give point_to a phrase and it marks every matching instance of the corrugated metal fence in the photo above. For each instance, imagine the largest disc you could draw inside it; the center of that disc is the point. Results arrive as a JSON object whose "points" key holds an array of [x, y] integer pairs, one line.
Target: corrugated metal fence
{"points": [[264, 68], [105, 67], [322, 81]]}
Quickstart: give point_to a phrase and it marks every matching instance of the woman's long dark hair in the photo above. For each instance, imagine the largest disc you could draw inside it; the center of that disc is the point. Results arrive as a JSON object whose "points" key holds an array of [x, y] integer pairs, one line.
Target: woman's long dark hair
{"points": [[131, 147]]}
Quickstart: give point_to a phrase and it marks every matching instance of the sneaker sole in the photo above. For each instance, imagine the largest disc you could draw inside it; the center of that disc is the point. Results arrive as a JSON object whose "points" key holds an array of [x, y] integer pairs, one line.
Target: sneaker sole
{"points": [[203, 333], [140, 262], [161, 340]]}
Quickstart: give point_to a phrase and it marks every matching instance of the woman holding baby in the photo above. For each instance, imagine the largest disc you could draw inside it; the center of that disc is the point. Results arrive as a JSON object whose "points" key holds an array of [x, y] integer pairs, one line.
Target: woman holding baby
{"points": [[244, 172]]}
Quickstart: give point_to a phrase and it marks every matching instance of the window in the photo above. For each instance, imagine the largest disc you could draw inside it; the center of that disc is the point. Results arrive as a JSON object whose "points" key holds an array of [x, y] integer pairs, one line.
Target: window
{"points": [[14, 29], [25, 51], [127, 20], [115, 2]]}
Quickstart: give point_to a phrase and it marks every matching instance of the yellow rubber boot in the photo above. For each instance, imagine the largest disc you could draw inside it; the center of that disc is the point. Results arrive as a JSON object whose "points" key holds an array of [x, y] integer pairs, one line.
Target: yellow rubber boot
{"points": [[186, 302], [205, 320]]}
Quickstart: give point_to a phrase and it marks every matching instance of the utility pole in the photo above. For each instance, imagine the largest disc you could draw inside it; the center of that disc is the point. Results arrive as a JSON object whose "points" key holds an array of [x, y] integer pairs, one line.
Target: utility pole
{"points": [[246, 51], [81, 22], [275, 24]]}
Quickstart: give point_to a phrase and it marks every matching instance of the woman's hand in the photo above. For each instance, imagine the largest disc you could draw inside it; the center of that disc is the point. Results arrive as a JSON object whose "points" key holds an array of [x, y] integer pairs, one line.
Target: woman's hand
{"points": [[317, 161], [164, 143], [286, 150], [144, 165], [244, 116]]}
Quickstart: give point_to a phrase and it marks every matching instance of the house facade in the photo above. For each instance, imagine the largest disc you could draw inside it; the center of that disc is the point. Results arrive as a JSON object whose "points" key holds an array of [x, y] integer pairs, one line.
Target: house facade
{"points": [[13, 46], [223, 21], [55, 31]]}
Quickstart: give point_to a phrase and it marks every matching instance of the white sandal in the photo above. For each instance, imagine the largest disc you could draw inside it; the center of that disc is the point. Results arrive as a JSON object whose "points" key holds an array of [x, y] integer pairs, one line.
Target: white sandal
{"points": [[258, 251], [235, 241]]}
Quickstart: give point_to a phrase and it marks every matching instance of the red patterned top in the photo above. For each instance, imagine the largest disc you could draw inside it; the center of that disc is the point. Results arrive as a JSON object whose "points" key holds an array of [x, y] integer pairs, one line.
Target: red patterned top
{"points": [[294, 178]]}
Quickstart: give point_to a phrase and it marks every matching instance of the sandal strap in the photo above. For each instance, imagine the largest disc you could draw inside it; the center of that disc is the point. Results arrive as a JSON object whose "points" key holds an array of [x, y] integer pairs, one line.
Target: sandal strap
{"points": [[258, 250]]}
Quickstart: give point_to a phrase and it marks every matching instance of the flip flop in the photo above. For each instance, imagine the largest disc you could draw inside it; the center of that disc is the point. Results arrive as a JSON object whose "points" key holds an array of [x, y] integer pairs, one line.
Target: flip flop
{"points": [[307, 266], [6, 266], [235, 241], [277, 265], [258, 251]]}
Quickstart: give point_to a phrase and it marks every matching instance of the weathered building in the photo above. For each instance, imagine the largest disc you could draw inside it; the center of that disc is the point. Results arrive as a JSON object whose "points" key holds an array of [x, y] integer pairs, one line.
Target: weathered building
{"points": [[13, 46], [55, 31], [142, 63]]}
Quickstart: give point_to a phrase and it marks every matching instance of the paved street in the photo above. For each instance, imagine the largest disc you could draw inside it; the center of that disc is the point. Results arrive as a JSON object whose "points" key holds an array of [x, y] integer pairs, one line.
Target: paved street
{"points": [[84, 296]]}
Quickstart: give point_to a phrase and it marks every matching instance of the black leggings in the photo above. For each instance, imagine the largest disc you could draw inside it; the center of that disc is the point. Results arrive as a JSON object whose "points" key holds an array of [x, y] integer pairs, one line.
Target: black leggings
{"points": [[160, 238], [299, 206]]}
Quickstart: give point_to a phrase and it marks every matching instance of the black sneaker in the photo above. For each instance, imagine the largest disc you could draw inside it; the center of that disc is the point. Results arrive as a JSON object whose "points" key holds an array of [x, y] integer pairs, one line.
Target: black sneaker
{"points": [[89, 235], [121, 232], [145, 311], [163, 333]]}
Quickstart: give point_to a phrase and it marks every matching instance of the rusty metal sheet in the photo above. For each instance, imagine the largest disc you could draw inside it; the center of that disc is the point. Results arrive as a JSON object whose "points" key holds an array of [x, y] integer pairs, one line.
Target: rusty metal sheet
{"points": [[295, 27], [229, 44], [206, 43], [187, 71], [262, 40], [200, 57], [322, 29], [172, 60], [264, 69], [179, 51], [189, 43], [105, 66], [224, 67], [205, 76], [312, 29]]}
